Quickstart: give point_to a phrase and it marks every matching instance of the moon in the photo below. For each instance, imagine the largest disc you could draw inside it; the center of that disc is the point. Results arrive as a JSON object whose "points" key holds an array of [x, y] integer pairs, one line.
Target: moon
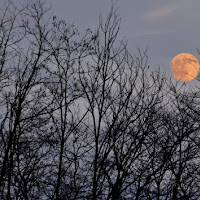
{"points": [[184, 67]]}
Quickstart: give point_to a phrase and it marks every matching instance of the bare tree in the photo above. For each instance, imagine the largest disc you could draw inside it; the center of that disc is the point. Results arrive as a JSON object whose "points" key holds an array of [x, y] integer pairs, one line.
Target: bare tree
{"points": [[184, 164], [81, 118], [23, 104], [122, 99]]}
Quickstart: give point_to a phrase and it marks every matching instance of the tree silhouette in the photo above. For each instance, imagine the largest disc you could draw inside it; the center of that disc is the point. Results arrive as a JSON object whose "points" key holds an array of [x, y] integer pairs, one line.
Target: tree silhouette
{"points": [[82, 118]]}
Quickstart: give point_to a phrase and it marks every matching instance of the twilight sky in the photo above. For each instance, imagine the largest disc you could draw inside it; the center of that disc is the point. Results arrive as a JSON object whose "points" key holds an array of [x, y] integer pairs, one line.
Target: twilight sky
{"points": [[165, 27]]}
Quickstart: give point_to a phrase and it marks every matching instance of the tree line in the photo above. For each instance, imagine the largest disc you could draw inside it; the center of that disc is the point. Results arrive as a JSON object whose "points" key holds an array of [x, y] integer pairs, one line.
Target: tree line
{"points": [[82, 118]]}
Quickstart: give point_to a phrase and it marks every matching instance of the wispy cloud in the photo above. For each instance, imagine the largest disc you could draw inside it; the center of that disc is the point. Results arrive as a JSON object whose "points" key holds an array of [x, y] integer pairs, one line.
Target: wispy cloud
{"points": [[160, 13]]}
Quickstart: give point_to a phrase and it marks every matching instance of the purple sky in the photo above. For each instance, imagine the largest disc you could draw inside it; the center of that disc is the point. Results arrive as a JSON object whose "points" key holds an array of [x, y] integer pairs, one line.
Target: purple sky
{"points": [[165, 27]]}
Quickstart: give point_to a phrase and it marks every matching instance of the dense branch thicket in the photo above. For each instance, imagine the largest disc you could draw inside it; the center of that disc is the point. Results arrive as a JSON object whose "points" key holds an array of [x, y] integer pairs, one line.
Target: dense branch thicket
{"points": [[81, 118]]}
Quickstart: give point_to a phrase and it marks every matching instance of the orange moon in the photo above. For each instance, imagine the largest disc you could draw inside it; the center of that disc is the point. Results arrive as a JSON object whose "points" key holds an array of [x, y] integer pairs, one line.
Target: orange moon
{"points": [[184, 67]]}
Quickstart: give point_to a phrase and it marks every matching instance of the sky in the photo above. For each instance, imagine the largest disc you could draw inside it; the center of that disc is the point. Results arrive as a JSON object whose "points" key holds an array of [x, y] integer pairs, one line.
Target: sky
{"points": [[166, 28]]}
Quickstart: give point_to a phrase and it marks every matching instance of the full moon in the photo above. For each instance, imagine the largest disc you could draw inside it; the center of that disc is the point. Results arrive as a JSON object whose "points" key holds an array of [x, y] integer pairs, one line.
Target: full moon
{"points": [[184, 67]]}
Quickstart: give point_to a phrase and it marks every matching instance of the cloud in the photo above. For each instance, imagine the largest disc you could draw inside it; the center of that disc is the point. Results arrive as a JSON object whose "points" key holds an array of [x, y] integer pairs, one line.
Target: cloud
{"points": [[161, 12]]}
